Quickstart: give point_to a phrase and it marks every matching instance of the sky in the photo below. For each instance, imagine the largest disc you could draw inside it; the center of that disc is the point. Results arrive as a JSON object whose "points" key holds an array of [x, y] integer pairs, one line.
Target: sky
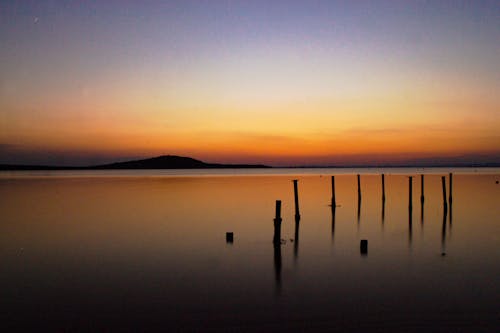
{"points": [[274, 82]]}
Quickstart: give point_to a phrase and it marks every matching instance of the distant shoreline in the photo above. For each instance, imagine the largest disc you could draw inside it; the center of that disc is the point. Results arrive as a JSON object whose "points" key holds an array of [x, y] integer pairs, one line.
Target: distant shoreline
{"points": [[169, 162]]}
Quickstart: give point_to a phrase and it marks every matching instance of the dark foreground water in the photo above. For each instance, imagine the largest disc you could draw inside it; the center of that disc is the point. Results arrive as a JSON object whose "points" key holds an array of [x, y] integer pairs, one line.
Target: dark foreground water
{"points": [[138, 251]]}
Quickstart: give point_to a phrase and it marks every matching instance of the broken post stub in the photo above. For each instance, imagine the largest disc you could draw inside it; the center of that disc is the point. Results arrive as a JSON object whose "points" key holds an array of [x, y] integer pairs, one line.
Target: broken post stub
{"points": [[363, 246]]}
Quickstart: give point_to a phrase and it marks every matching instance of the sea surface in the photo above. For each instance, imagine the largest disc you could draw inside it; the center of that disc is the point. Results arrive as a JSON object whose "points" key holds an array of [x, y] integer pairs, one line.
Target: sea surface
{"points": [[100, 251]]}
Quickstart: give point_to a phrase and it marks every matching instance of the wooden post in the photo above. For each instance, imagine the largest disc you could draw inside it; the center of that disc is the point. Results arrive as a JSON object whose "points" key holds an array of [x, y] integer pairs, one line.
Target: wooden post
{"points": [[383, 187], [363, 246], [443, 183], [277, 224], [451, 201], [359, 189], [229, 237], [422, 189], [334, 202], [451, 185], [410, 192], [296, 194]]}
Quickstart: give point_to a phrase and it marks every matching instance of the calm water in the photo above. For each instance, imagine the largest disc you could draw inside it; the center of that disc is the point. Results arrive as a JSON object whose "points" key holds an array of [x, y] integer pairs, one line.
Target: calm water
{"points": [[146, 250]]}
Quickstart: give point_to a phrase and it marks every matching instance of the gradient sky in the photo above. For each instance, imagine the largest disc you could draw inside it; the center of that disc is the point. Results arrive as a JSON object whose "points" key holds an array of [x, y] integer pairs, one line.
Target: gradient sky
{"points": [[275, 82]]}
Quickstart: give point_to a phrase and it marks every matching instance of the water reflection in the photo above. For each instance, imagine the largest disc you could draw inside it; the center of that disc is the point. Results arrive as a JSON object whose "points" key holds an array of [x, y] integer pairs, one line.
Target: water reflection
{"points": [[451, 216], [443, 233], [102, 244], [359, 210], [277, 267], [296, 238], [410, 226], [383, 213], [333, 222]]}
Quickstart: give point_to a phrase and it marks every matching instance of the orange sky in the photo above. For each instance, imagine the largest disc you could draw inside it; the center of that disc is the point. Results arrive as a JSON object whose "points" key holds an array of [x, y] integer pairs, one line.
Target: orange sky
{"points": [[85, 85]]}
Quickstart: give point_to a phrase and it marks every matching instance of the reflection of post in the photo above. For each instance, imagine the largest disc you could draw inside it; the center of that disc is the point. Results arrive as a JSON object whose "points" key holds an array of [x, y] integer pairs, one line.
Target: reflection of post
{"points": [[443, 233], [422, 199], [359, 209], [296, 195], [450, 199], [383, 188], [277, 224], [296, 241], [333, 222], [451, 186], [383, 213], [277, 267], [334, 202], [443, 183], [277, 246], [451, 216]]}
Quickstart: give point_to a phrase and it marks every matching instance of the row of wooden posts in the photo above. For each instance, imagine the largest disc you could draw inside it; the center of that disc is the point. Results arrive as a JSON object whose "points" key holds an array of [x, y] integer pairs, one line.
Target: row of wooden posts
{"points": [[278, 219]]}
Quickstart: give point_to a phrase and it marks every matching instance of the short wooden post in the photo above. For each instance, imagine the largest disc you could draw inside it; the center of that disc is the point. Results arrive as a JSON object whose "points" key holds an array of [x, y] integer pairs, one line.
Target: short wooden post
{"points": [[359, 189], [451, 186], [422, 189], [296, 195], [277, 224], [229, 237], [383, 187], [443, 183], [410, 193], [363, 246], [334, 202]]}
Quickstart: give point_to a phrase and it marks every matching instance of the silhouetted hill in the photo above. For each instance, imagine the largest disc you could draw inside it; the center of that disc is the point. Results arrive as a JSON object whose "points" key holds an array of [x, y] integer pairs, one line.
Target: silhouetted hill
{"points": [[172, 162], [160, 162]]}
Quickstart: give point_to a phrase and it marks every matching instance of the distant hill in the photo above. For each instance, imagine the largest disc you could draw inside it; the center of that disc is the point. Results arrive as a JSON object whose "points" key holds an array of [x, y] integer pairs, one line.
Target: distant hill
{"points": [[160, 162], [172, 162]]}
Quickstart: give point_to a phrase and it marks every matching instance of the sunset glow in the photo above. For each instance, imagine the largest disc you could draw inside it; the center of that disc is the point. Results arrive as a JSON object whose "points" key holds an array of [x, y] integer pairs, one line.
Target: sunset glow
{"points": [[280, 83]]}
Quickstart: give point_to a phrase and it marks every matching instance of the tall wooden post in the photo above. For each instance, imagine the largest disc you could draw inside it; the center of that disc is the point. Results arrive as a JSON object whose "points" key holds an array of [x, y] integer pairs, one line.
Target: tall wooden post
{"points": [[359, 189], [383, 188], [410, 193], [277, 224], [422, 189], [443, 183], [296, 195], [334, 202]]}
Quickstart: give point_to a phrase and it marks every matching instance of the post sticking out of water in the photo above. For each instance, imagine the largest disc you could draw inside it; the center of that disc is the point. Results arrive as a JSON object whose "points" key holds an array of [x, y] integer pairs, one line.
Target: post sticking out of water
{"points": [[363, 246], [443, 183], [451, 184], [229, 237], [359, 189], [296, 194], [383, 188], [334, 203], [422, 189], [410, 192], [277, 224]]}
